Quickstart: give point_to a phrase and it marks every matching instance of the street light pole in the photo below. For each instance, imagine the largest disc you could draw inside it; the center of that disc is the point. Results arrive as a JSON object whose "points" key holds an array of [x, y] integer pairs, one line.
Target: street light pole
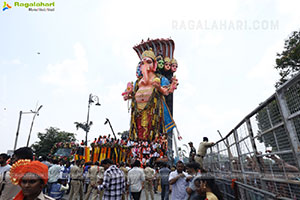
{"points": [[19, 124], [92, 99], [35, 113], [87, 121], [112, 130], [17, 134]]}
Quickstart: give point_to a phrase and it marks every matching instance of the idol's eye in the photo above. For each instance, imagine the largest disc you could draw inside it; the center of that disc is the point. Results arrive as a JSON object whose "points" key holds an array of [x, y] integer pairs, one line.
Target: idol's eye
{"points": [[149, 61]]}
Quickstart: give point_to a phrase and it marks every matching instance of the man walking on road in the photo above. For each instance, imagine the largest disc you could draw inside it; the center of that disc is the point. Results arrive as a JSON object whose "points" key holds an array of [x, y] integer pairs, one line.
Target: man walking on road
{"points": [[113, 181], [76, 174], [92, 175], [164, 173], [178, 181], [136, 178], [149, 176], [125, 171]]}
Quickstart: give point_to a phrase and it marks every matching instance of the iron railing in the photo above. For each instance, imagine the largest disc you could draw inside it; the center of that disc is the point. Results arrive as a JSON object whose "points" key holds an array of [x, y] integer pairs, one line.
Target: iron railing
{"points": [[262, 153]]}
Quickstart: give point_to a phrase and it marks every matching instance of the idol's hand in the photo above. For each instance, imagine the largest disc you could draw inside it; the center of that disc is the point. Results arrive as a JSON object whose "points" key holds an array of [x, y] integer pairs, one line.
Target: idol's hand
{"points": [[156, 84]]}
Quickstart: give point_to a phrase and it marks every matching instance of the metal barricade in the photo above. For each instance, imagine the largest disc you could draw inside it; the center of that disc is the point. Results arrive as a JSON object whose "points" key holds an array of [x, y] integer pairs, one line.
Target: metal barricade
{"points": [[263, 151], [226, 189]]}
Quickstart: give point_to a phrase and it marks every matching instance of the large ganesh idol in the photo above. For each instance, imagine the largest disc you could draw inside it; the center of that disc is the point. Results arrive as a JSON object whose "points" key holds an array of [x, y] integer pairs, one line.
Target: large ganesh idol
{"points": [[150, 116]]}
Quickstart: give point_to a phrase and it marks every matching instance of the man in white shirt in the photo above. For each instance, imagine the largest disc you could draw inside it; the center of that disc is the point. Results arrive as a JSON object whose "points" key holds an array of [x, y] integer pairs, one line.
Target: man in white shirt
{"points": [[3, 165], [178, 181], [136, 178], [54, 172], [4, 168]]}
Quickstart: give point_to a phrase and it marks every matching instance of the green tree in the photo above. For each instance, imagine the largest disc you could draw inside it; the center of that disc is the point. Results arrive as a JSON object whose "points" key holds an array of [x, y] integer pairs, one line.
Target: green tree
{"points": [[288, 62], [48, 139]]}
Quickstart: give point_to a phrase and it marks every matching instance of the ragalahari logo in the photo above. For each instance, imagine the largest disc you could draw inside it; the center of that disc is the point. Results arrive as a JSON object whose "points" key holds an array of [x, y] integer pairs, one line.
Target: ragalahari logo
{"points": [[6, 6]]}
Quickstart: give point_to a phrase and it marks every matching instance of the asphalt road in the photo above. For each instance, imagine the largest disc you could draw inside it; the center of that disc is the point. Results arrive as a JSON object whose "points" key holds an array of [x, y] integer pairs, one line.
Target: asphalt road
{"points": [[156, 196]]}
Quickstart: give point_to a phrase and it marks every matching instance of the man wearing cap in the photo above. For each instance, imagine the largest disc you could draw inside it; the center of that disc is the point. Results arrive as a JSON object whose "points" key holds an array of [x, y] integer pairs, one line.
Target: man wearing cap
{"points": [[192, 152], [31, 176], [203, 146], [9, 190]]}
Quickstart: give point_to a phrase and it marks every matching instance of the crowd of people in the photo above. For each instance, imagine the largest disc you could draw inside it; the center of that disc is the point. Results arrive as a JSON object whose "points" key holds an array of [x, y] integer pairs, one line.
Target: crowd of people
{"points": [[156, 148], [126, 149], [23, 177]]}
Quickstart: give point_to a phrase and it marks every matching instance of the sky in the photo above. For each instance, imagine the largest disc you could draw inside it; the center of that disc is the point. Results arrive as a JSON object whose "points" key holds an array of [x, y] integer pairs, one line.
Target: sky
{"points": [[226, 52]]}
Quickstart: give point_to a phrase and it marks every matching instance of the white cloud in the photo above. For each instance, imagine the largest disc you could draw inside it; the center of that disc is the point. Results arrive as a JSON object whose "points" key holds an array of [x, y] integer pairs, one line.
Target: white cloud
{"points": [[141, 20], [15, 61], [70, 73]]}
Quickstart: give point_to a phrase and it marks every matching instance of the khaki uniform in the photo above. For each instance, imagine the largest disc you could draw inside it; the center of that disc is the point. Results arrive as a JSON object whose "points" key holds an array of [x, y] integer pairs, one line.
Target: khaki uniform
{"points": [[149, 176], [100, 178], [203, 146], [10, 190], [44, 197], [76, 175], [125, 171], [93, 174]]}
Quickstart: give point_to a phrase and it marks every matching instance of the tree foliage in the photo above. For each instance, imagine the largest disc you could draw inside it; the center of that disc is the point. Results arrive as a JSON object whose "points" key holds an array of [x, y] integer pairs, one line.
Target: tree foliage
{"points": [[48, 139], [84, 126], [288, 62]]}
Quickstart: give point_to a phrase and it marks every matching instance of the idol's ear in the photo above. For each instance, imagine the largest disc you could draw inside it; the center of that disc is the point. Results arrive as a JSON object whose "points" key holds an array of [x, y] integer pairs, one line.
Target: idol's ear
{"points": [[155, 66]]}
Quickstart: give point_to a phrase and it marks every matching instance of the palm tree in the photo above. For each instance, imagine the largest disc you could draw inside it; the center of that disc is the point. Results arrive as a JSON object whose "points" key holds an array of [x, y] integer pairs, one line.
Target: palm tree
{"points": [[84, 126]]}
